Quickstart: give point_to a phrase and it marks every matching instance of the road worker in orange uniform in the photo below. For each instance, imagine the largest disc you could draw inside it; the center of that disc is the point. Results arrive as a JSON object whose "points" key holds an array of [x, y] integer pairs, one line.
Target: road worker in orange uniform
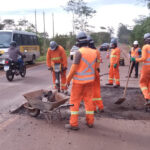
{"points": [[83, 74], [56, 54], [97, 100], [135, 52], [114, 64], [145, 72]]}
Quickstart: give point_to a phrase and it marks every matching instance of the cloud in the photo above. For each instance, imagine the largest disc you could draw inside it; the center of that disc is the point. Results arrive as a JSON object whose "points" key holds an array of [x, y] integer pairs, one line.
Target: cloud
{"points": [[108, 13], [112, 15]]}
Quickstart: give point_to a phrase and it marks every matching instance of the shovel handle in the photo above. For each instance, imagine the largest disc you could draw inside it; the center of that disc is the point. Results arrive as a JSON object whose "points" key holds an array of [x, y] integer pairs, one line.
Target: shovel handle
{"points": [[125, 90]]}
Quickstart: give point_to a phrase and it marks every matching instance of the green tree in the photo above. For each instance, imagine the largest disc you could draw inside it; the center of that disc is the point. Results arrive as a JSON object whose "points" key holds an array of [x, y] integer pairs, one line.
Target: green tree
{"points": [[101, 37], [9, 24], [140, 29], [124, 34], [67, 41], [81, 14]]}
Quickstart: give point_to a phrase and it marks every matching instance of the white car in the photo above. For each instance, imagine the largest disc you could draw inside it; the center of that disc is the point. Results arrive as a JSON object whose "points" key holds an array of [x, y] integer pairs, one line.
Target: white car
{"points": [[73, 51]]}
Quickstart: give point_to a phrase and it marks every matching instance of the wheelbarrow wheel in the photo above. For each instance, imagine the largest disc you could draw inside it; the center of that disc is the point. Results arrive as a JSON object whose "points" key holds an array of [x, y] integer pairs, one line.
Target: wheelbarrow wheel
{"points": [[34, 112]]}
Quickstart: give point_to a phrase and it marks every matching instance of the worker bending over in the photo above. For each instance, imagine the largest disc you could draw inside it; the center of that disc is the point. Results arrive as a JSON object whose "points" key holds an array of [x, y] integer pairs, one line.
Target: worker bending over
{"points": [[83, 74], [114, 64], [57, 55], [97, 99], [145, 72], [136, 53]]}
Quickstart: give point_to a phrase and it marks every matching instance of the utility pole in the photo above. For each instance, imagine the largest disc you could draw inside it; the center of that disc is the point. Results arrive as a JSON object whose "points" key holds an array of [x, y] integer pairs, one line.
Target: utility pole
{"points": [[44, 46], [53, 25], [35, 22]]}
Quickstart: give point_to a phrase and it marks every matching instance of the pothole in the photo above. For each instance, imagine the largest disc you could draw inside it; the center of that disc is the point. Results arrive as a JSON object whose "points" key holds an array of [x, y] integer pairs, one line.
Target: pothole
{"points": [[132, 109]]}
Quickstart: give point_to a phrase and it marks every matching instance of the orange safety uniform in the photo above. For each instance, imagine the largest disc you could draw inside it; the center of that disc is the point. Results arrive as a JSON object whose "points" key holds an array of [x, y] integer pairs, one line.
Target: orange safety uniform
{"points": [[114, 72], [83, 75], [145, 72], [97, 100], [57, 56], [135, 52]]}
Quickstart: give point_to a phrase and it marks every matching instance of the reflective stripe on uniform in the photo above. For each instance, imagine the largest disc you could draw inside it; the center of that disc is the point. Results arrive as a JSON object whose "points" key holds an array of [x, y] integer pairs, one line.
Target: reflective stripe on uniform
{"points": [[84, 73], [74, 112], [84, 79], [117, 79], [148, 59], [89, 112], [148, 51], [144, 88], [111, 79], [113, 56], [87, 68], [63, 84], [56, 58], [146, 64], [97, 99]]}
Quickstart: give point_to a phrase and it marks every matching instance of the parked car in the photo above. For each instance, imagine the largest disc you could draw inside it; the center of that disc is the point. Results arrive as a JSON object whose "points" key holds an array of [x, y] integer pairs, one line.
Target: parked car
{"points": [[104, 47], [73, 51]]}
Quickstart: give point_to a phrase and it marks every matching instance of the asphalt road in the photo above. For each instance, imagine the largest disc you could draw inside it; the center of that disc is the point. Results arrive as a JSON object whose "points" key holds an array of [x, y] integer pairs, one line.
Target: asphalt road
{"points": [[21, 132]]}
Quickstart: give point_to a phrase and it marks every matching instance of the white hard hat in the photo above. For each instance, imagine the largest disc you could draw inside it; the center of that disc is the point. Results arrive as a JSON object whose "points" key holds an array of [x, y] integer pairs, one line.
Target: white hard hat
{"points": [[135, 43]]}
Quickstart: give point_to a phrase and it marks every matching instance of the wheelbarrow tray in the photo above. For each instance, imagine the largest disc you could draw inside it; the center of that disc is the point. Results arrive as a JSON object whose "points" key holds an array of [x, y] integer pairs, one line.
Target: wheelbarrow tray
{"points": [[35, 100]]}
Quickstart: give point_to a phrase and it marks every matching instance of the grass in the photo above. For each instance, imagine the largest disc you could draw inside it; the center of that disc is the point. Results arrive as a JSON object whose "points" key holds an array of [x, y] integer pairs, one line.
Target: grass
{"points": [[43, 58]]}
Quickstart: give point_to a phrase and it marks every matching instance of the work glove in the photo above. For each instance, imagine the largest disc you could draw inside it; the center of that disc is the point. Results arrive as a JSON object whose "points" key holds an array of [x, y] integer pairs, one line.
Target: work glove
{"points": [[132, 59], [109, 66], [50, 68], [115, 65]]}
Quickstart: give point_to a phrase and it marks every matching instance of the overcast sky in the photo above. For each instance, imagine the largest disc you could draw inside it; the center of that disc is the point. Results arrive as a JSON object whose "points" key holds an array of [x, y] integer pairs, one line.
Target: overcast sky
{"points": [[109, 13]]}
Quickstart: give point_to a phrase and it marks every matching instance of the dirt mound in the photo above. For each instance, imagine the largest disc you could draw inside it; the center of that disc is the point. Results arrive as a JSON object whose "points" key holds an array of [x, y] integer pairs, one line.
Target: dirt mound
{"points": [[133, 108]]}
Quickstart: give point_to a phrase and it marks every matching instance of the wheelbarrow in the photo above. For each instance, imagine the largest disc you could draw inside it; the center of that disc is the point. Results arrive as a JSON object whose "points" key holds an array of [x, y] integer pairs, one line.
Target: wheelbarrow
{"points": [[47, 102]]}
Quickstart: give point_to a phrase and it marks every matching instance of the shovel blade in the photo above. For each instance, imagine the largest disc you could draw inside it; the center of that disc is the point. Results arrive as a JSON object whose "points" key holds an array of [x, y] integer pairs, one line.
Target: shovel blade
{"points": [[120, 101]]}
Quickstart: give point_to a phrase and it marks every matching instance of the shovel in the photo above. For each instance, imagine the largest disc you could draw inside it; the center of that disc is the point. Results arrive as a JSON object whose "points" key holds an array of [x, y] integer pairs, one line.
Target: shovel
{"points": [[121, 100]]}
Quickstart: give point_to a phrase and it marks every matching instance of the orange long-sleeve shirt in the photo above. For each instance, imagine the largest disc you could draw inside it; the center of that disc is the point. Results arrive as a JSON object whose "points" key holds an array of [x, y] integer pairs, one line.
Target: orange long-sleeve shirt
{"points": [[115, 56], [56, 56], [144, 53]]}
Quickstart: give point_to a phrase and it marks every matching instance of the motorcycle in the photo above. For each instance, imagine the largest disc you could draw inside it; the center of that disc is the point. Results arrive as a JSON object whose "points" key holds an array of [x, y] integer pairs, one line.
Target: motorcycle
{"points": [[13, 68]]}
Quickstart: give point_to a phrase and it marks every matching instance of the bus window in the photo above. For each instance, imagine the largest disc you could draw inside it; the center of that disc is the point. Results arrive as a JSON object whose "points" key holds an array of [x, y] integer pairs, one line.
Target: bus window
{"points": [[25, 40], [35, 40], [5, 39], [17, 38]]}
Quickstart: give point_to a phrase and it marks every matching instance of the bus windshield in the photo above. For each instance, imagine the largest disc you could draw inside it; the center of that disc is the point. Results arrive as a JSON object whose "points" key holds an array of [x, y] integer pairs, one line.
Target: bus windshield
{"points": [[5, 39]]}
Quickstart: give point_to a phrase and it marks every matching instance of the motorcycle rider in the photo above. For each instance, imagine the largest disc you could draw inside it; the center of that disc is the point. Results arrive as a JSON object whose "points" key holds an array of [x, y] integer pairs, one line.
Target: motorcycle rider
{"points": [[14, 53]]}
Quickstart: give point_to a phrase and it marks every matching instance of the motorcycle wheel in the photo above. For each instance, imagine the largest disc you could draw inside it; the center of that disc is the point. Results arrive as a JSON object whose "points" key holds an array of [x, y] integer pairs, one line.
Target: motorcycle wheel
{"points": [[9, 75], [23, 72]]}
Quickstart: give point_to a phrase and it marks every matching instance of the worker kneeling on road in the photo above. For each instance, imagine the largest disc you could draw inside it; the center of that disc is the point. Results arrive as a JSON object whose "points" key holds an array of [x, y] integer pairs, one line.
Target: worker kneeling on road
{"points": [[97, 100], [83, 74], [145, 72], [135, 52], [57, 55], [114, 64]]}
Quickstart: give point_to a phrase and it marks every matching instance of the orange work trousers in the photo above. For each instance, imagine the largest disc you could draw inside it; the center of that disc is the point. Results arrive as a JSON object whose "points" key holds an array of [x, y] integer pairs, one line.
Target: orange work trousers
{"points": [[145, 81], [81, 92], [63, 80], [97, 100], [114, 74]]}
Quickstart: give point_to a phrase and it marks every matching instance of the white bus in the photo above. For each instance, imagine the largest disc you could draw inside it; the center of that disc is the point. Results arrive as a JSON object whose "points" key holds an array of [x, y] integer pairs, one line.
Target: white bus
{"points": [[26, 41]]}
